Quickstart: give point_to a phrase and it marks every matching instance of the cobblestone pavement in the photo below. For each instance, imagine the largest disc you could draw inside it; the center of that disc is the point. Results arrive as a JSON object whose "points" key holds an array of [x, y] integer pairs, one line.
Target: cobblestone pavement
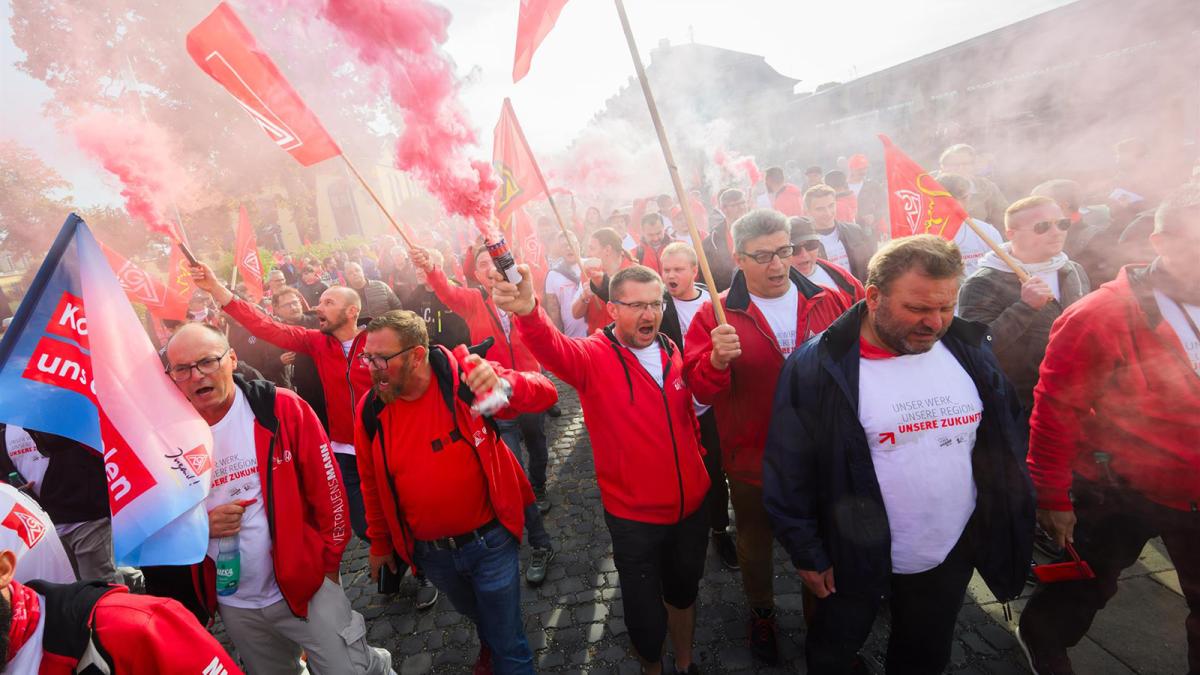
{"points": [[575, 621]]}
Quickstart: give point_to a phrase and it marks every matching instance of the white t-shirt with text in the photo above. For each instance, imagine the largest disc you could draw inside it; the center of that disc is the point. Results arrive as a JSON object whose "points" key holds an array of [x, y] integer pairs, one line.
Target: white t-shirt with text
{"points": [[921, 413], [235, 478], [781, 316], [972, 247], [835, 250], [24, 454], [1172, 312]]}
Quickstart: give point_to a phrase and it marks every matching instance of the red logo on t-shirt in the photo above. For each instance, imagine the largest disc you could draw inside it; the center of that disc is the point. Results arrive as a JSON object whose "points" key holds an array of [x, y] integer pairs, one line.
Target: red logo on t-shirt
{"points": [[199, 459], [25, 524]]}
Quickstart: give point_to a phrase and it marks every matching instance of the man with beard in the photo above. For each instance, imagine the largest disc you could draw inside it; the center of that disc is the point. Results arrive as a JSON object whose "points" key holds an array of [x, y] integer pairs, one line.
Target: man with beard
{"points": [[655, 238], [646, 448], [442, 490], [277, 499], [894, 466], [297, 371], [771, 309], [56, 628]]}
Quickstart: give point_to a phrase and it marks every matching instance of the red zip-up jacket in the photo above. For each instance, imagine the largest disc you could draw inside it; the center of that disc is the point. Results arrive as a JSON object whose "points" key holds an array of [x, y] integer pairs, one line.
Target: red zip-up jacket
{"points": [[645, 440], [1116, 380], [303, 494], [508, 488], [478, 310], [742, 395], [344, 378], [849, 286], [789, 200], [141, 634]]}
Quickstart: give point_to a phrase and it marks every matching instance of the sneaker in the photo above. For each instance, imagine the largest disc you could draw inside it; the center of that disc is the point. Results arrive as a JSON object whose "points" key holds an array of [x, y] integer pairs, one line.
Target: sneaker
{"points": [[1045, 664], [427, 593], [542, 501], [539, 562], [554, 411], [763, 644], [726, 549], [483, 662]]}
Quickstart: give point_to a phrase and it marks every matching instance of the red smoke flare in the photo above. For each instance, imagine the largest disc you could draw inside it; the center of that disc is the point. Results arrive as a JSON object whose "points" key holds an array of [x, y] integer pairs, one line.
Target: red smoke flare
{"points": [[403, 38]]}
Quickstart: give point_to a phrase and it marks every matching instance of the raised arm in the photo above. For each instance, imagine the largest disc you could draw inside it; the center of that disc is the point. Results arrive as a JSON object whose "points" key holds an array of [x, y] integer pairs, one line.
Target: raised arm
{"points": [[285, 336], [565, 357]]}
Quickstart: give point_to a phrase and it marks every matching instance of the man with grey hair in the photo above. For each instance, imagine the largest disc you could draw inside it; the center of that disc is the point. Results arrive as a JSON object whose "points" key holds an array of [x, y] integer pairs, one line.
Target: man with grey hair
{"points": [[645, 445], [984, 201], [771, 308], [375, 297]]}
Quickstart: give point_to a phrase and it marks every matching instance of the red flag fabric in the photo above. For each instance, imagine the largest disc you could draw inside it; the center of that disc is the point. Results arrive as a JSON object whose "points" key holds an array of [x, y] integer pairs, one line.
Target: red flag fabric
{"points": [[141, 287], [535, 20], [527, 246], [245, 254], [516, 169], [917, 202], [180, 287], [225, 49]]}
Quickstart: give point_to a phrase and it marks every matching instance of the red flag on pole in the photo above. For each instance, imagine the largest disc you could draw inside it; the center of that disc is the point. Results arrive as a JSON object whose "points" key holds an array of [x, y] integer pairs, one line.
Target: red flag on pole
{"points": [[527, 246], [516, 169], [245, 254], [141, 287], [917, 202], [225, 49], [535, 20]]}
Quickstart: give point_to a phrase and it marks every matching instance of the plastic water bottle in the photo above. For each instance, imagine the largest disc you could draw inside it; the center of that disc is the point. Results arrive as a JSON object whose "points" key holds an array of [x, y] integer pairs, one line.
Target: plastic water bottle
{"points": [[229, 565]]}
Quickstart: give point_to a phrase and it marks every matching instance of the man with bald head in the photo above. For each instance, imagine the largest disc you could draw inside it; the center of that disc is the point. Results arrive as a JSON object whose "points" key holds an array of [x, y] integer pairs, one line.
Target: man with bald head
{"points": [[375, 296], [277, 499]]}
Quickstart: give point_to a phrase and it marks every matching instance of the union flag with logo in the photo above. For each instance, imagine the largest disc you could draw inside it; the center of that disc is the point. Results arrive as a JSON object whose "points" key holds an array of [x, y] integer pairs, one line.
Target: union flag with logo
{"points": [[918, 204], [245, 254], [520, 182], [101, 383], [145, 289], [225, 49]]}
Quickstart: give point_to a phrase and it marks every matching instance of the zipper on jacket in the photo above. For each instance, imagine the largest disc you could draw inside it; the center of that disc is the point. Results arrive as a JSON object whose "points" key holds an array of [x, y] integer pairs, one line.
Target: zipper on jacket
{"points": [[270, 506]]}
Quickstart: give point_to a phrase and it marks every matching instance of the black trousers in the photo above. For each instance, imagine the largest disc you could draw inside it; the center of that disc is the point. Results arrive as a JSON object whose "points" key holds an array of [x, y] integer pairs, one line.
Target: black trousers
{"points": [[1114, 524], [716, 502], [924, 609]]}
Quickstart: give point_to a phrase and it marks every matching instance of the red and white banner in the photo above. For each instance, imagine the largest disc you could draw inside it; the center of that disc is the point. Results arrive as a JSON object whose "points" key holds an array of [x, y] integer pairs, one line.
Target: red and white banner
{"points": [[245, 254]]}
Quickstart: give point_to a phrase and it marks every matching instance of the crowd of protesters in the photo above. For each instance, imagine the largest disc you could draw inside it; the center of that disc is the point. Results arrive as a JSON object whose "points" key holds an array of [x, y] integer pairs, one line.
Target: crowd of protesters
{"points": [[898, 414]]}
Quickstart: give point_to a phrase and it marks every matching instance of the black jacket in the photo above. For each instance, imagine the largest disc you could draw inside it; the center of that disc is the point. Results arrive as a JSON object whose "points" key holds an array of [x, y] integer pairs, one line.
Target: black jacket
{"points": [[74, 489], [1019, 332], [819, 482], [860, 246], [720, 258], [444, 326], [670, 321]]}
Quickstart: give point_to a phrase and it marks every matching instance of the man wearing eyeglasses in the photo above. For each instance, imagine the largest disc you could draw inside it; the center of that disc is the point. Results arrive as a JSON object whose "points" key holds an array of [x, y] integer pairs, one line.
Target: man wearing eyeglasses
{"points": [[1019, 315], [275, 488], [646, 448], [771, 309]]}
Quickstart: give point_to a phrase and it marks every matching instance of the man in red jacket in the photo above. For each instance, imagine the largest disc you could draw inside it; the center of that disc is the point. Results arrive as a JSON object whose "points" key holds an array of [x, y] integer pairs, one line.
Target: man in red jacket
{"points": [[646, 447], [485, 320], [785, 197], [441, 488], [655, 238], [59, 629], [771, 309], [277, 518], [1114, 434]]}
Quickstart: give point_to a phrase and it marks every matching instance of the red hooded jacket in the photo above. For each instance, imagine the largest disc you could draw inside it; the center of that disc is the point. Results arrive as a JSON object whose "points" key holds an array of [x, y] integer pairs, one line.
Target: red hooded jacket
{"points": [[508, 488], [789, 200], [344, 378], [478, 310], [303, 494], [645, 440], [742, 395], [1116, 380]]}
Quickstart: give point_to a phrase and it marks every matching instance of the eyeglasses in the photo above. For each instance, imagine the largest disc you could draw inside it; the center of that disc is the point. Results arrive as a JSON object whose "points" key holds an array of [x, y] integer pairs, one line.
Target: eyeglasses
{"points": [[208, 366], [639, 307], [378, 362], [765, 257], [811, 246], [1044, 226]]}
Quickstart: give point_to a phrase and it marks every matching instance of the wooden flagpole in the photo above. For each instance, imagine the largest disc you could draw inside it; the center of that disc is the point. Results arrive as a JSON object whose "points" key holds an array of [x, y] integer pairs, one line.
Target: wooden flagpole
{"points": [[1012, 262], [680, 193]]}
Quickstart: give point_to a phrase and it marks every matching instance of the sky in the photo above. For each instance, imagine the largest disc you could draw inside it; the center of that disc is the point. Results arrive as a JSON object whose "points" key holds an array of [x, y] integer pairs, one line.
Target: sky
{"points": [[585, 60]]}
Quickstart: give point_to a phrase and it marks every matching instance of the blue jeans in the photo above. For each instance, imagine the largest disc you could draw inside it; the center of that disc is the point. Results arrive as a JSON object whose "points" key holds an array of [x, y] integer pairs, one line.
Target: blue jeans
{"points": [[511, 432], [483, 582], [348, 464]]}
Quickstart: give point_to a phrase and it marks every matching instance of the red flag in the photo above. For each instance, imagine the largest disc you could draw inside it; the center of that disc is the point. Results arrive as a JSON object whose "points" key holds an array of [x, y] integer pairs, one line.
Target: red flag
{"points": [[224, 48], [517, 171], [180, 287], [143, 288], [535, 20], [917, 202], [245, 254], [528, 249]]}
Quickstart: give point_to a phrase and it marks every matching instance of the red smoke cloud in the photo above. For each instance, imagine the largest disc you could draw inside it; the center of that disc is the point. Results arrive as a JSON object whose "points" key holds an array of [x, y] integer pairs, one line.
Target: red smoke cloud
{"points": [[403, 39], [741, 168], [140, 155]]}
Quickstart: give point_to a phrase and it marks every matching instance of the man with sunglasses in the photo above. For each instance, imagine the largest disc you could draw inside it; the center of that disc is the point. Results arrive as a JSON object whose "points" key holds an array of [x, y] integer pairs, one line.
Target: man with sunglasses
{"points": [[1019, 315], [771, 309], [277, 490], [646, 448], [806, 258]]}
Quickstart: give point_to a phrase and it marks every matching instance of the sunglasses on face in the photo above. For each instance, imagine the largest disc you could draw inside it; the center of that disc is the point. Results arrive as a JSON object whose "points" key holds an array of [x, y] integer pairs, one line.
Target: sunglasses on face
{"points": [[810, 246], [1044, 226], [765, 257]]}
